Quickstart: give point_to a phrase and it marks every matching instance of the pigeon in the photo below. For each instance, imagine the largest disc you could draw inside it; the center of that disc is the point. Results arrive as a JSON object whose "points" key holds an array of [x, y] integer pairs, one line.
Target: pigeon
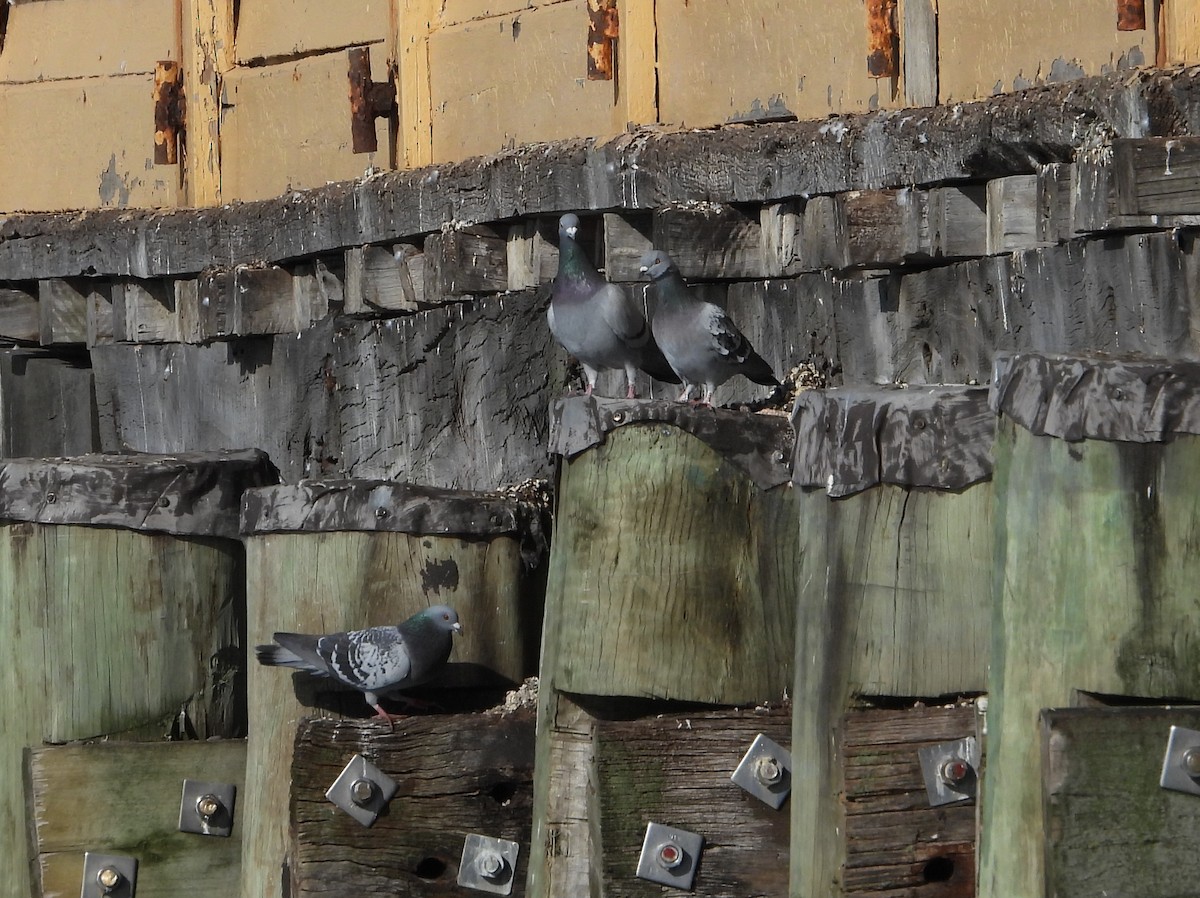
{"points": [[596, 321], [698, 338], [379, 659]]}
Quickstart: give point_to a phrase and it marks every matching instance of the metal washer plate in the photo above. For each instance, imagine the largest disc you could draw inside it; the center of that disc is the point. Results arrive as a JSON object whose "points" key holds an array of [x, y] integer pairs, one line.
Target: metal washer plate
{"points": [[221, 823], [1174, 774], [763, 747], [340, 794], [684, 874], [469, 875], [934, 756], [94, 862]]}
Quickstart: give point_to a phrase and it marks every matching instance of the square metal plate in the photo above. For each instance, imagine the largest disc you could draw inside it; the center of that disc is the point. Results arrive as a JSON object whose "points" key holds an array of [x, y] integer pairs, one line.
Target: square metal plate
{"points": [[1175, 774], [670, 856], [95, 863], [361, 774], [765, 771], [488, 865], [934, 757], [191, 816]]}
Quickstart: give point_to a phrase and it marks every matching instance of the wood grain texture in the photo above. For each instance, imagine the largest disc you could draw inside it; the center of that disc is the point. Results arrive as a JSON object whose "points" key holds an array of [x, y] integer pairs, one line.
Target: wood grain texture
{"points": [[62, 310], [671, 575], [464, 261], [457, 774], [475, 376], [47, 405], [116, 631], [711, 241], [895, 600], [381, 279], [207, 54], [895, 842], [124, 798], [19, 315], [1158, 176], [1102, 584], [1109, 827], [1003, 136], [674, 768], [326, 582]]}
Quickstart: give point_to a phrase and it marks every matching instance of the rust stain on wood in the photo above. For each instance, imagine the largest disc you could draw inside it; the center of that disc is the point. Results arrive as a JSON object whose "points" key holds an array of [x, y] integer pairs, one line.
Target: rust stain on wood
{"points": [[883, 41], [1131, 15], [168, 111], [369, 100], [603, 28]]}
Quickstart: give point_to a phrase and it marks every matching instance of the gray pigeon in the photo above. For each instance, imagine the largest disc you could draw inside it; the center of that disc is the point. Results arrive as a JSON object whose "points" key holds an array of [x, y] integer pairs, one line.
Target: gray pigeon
{"points": [[596, 321], [379, 659], [698, 338]]}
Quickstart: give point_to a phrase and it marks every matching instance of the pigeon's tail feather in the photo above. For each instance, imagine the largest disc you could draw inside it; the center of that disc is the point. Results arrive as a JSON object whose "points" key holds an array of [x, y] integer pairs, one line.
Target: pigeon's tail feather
{"points": [[293, 650], [758, 370], [656, 365]]}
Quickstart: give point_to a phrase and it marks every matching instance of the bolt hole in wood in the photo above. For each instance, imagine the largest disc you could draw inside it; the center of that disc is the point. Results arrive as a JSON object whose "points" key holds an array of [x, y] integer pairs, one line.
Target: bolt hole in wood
{"points": [[938, 869], [430, 868], [502, 793]]}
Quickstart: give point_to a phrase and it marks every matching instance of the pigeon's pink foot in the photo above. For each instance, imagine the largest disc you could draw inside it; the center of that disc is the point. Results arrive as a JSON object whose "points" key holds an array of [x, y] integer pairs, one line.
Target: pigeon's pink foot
{"points": [[630, 392]]}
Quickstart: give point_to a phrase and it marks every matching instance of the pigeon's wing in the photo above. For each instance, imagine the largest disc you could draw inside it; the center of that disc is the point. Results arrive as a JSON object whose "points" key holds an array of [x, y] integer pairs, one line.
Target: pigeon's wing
{"points": [[370, 659], [729, 344], [621, 316]]}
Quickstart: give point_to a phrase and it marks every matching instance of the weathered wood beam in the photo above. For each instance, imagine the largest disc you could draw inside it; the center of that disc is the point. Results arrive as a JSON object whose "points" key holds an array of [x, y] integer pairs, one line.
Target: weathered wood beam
{"points": [[20, 319], [384, 279], [626, 239], [459, 261], [47, 405], [532, 257], [1026, 211], [1002, 136], [708, 240]]}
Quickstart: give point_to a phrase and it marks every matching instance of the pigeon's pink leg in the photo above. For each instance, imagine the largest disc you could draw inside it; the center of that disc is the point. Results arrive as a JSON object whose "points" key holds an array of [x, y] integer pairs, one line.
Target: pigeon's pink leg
{"points": [[630, 392]]}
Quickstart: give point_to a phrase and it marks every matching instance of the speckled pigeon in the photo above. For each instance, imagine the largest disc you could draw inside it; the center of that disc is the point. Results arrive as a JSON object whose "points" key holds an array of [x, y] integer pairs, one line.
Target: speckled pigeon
{"points": [[596, 321], [376, 660], [698, 338]]}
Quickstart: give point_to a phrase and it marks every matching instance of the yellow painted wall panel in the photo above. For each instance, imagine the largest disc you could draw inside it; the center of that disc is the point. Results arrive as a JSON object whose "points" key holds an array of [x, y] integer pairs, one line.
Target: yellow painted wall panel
{"points": [[989, 48], [78, 38], [81, 144], [517, 79], [730, 60], [1182, 32], [455, 12], [287, 127], [273, 28]]}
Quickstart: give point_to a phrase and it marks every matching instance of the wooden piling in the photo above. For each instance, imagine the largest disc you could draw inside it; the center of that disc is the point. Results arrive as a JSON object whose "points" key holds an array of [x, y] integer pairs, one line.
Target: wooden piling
{"points": [[325, 556], [1097, 469], [123, 607], [671, 580], [894, 598]]}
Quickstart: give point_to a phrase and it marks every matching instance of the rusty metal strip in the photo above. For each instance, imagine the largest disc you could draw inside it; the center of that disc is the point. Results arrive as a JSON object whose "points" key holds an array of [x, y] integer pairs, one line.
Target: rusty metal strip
{"points": [[1131, 15], [168, 111], [603, 28], [883, 39], [369, 100]]}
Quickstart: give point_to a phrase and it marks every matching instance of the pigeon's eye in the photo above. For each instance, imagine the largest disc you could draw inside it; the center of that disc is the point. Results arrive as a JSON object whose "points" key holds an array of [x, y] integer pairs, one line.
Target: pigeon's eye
{"points": [[445, 617]]}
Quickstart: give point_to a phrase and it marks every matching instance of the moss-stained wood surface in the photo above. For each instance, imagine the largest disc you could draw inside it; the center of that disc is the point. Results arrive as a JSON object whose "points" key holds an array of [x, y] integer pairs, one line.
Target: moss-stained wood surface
{"points": [[1096, 576], [672, 574], [895, 842], [1003, 136], [674, 768], [327, 582], [1109, 827], [124, 798], [114, 631], [894, 600], [457, 774]]}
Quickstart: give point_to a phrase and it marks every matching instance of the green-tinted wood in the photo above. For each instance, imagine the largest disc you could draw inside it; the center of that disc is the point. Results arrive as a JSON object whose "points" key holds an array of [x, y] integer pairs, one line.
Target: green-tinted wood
{"points": [[124, 798], [1096, 591], [325, 582], [672, 575], [895, 600], [1110, 829], [110, 631]]}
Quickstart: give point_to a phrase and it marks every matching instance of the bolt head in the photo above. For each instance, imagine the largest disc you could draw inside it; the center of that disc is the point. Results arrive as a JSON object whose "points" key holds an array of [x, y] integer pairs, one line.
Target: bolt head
{"points": [[1191, 762], [669, 855], [490, 865], [768, 771], [954, 771], [207, 806], [362, 791], [108, 878]]}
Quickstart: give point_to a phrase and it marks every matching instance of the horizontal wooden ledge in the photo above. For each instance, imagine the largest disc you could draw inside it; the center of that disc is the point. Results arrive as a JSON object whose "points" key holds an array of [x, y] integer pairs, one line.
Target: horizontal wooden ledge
{"points": [[392, 506], [187, 494], [644, 170], [1095, 396]]}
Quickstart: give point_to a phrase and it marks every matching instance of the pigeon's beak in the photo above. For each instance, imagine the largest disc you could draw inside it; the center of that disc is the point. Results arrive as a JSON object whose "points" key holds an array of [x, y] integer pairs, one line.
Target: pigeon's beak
{"points": [[643, 269], [456, 627], [571, 232]]}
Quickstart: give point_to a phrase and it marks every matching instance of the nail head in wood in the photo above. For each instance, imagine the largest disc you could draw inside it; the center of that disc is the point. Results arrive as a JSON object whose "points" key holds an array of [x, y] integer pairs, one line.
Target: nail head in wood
{"points": [[949, 770], [488, 864], [206, 809], [765, 771], [670, 856], [362, 790]]}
